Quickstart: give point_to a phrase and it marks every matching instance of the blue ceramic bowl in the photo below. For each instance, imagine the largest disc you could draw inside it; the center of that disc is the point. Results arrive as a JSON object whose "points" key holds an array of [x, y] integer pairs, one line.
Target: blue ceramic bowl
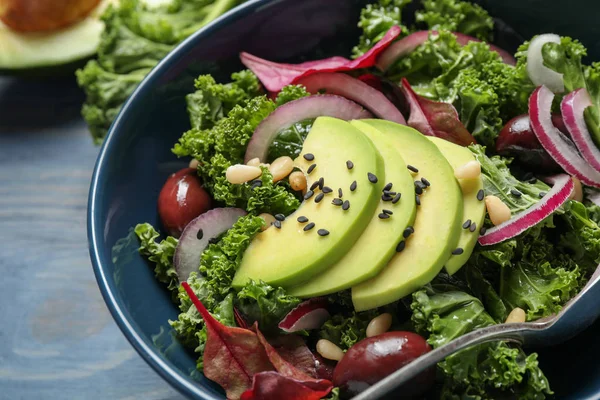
{"points": [[136, 159]]}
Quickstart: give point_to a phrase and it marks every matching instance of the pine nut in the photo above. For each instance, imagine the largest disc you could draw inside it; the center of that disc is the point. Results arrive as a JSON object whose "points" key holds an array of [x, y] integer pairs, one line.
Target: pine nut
{"points": [[578, 191], [255, 162], [379, 324], [470, 170], [516, 315], [329, 350], [269, 219], [281, 167], [297, 181], [497, 210], [241, 173], [194, 163]]}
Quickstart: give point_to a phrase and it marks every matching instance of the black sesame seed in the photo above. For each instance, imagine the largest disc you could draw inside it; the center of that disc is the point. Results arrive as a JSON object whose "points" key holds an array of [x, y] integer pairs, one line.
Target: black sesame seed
{"points": [[337, 202], [425, 182], [314, 185], [277, 224], [390, 212], [383, 216], [349, 164], [389, 192], [340, 193], [541, 194], [308, 195], [213, 240], [418, 189], [256, 183], [400, 246], [319, 197], [515, 192], [321, 183], [397, 198], [309, 226], [346, 205], [311, 168], [353, 186], [480, 194], [533, 180], [418, 200], [327, 189], [323, 232], [302, 219], [483, 230], [413, 169], [387, 187], [527, 176], [473, 227], [309, 156], [279, 217], [386, 197], [372, 177], [467, 224], [457, 251], [408, 231], [420, 184], [200, 234]]}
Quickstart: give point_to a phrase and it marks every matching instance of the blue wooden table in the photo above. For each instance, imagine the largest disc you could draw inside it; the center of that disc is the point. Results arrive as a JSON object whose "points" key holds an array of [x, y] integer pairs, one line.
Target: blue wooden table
{"points": [[57, 339]]}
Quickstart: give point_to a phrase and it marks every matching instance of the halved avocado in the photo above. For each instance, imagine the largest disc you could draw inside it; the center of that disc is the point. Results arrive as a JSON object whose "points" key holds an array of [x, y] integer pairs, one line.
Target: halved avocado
{"points": [[292, 255], [473, 209], [36, 50], [436, 227], [377, 244]]}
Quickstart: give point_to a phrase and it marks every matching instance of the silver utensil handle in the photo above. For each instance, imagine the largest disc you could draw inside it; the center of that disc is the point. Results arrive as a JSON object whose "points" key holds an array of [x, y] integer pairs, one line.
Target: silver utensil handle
{"points": [[505, 332]]}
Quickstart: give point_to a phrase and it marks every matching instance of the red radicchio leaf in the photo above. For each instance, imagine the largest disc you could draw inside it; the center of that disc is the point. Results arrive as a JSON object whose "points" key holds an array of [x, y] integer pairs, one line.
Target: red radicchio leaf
{"points": [[293, 349], [239, 319], [275, 76], [274, 386], [371, 80], [433, 118], [232, 356]]}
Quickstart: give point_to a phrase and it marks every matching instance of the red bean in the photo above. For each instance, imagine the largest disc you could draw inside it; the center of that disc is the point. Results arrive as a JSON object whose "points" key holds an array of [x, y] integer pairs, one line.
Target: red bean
{"points": [[374, 358], [182, 199], [517, 140]]}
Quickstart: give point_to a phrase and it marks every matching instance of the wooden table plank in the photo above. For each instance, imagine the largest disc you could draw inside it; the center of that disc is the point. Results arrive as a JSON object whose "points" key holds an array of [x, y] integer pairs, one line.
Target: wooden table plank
{"points": [[57, 339]]}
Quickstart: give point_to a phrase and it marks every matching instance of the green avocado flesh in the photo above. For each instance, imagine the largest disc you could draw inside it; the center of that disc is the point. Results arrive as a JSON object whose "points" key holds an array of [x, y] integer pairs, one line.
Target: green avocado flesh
{"points": [[290, 256], [436, 228], [378, 242], [473, 209], [45, 49]]}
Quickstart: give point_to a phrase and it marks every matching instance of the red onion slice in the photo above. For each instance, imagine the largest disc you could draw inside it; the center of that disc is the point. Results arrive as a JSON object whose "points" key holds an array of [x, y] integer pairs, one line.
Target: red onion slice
{"points": [[355, 90], [572, 108], [409, 43], [537, 71], [556, 197], [554, 142], [310, 314], [196, 236], [307, 107]]}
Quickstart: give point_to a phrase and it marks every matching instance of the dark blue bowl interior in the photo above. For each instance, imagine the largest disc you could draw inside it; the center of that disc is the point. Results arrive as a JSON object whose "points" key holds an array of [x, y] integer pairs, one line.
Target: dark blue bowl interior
{"points": [[136, 158]]}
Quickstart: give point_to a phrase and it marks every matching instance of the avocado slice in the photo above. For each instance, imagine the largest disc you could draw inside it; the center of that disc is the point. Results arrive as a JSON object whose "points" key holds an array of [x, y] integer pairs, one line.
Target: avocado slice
{"points": [[290, 256], [378, 242], [436, 228], [34, 50], [473, 209]]}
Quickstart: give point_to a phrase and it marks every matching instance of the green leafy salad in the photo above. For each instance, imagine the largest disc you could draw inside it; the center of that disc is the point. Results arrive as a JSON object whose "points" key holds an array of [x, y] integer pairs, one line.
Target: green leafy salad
{"points": [[429, 186]]}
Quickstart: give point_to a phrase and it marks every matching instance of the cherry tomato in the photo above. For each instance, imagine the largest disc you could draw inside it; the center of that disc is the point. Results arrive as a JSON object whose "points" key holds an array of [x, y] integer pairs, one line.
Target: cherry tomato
{"points": [[374, 358], [517, 140], [181, 199]]}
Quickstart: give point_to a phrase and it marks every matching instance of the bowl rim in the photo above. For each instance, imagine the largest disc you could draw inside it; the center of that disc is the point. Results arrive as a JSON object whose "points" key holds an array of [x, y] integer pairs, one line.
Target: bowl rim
{"points": [[166, 370]]}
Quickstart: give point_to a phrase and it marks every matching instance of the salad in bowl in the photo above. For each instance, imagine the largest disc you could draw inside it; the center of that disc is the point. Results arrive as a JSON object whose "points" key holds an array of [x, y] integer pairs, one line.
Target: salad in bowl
{"points": [[341, 217]]}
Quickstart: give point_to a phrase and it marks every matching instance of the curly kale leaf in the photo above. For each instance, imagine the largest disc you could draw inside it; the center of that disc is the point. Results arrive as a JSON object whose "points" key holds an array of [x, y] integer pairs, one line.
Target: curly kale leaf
{"points": [[265, 304], [290, 93], [375, 20], [160, 253], [456, 16], [345, 330]]}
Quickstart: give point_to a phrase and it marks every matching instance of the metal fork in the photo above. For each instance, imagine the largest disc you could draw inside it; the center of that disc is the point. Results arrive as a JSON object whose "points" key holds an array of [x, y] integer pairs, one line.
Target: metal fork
{"points": [[575, 316]]}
